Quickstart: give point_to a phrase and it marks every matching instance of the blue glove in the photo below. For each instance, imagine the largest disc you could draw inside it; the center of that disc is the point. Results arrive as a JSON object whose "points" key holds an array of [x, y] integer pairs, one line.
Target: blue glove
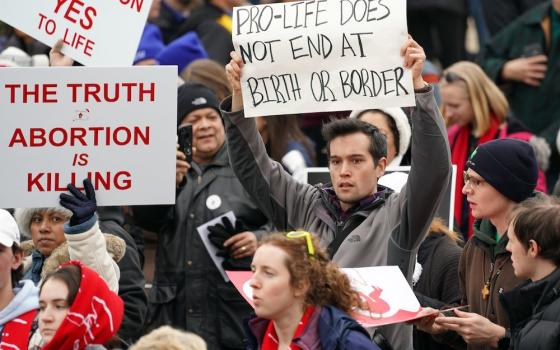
{"points": [[82, 206]]}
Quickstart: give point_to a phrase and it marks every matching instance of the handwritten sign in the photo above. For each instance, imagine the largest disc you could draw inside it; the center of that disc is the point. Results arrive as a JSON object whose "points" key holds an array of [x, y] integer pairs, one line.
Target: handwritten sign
{"points": [[116, 126], [319, 55], [383, 289], [95, 32]]}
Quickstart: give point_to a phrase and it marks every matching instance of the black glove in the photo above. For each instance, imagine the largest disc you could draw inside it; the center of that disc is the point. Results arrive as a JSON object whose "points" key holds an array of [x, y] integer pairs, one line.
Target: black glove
{"points": [[82, 206], [219, 233], [243, 264]]}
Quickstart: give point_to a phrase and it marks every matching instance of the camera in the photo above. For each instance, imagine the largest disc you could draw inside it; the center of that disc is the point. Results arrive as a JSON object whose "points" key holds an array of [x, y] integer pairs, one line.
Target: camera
{"points": [[185, 135]]}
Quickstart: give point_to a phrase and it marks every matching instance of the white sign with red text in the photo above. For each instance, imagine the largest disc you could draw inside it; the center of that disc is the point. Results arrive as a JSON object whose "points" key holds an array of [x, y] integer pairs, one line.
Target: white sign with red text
{"points": [[383, 289], [116, 126], [96, 33], [322, 55]]}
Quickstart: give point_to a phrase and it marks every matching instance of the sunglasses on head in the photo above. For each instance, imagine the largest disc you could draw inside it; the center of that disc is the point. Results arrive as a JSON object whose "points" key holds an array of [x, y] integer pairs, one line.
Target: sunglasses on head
{"points": [[307, 236], [451, 77]]}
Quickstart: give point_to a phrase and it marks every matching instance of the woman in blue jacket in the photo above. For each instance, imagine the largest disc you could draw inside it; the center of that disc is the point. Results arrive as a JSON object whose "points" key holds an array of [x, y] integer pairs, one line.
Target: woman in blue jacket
{"points": [[302, 300]]}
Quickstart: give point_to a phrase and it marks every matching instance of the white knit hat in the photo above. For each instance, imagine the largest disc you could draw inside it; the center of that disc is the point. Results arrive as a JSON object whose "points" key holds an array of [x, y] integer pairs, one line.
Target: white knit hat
{"points": [[23, 217], [403, 126]]}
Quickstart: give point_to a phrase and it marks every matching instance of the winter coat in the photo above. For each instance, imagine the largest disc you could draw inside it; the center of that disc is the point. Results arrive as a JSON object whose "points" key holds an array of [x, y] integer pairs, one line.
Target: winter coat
{"points": [[26, 299], [188, 290], [85, 243], [438, 285], [537, 107], [500, 13], [387, 231], [328, 328], [484, 260], [534, 313], [131, 281]]}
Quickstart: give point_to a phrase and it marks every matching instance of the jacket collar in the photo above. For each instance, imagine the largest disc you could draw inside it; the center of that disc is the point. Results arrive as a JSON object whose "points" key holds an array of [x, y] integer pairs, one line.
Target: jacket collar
{"points": [[365, 204], [536, 15], [530, 297], [484, 236]]}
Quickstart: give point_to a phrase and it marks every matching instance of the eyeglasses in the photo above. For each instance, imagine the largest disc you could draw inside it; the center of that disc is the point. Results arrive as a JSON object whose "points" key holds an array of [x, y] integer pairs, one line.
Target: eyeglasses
{"points": [[307, 236], [451, 77], [471, 180]]}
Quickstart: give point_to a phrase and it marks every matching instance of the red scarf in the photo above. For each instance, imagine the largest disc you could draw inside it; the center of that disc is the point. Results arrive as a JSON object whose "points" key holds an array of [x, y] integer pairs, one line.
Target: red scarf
{"points": [[270, 340], [459, 157], [94, 317], [15, 334]]}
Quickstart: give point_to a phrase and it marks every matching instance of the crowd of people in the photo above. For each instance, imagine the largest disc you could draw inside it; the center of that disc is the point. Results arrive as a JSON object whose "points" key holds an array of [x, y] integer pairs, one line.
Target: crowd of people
{"points": [[73, 276]]}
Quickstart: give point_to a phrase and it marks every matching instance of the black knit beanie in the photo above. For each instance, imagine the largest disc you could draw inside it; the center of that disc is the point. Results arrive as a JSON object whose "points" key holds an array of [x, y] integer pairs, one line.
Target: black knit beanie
{"points": [[193, 96], [509, 165]]}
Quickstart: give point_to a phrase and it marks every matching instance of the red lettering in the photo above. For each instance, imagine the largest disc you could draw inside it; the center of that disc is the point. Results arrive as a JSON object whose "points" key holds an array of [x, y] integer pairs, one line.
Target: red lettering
{"points": [[92, 90], [12, 88], [89, 14], [48, 91], [37, 136], [34, 181], [77, 134], [17, 137], [72, 9], [74, 87], [58, 5], [151, 91], [124, 183], [46, 182], [63, 138]]}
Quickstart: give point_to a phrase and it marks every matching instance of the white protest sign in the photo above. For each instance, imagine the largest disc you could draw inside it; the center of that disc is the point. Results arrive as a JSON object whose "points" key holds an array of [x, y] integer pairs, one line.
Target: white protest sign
{"points": [[383, 289], [96, 33], [322, 55], [116, 126]]}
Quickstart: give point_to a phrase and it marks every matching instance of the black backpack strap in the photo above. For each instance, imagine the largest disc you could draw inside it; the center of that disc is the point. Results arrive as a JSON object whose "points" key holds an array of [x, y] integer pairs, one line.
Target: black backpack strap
{"points": [[354, 222]]}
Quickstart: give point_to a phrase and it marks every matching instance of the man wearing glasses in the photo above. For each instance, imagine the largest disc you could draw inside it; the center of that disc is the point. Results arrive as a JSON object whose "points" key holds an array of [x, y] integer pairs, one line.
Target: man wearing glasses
{"points": [[501, 173], [361, 223]]}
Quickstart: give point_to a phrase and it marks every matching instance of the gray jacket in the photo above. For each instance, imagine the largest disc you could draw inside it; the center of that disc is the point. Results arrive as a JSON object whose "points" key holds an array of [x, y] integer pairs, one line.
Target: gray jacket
{"points": [[389, 233]]}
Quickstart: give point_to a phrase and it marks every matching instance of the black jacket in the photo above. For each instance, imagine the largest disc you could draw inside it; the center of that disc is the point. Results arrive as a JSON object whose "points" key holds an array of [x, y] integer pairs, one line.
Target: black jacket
{"points": [[438, 285], [534, 314], [131, 281], [188, 290]]}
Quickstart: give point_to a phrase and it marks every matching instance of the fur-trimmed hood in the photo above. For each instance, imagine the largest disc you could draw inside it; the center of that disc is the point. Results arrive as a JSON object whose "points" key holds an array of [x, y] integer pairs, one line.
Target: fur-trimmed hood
{"points": [[116, 247], [23, 217]]}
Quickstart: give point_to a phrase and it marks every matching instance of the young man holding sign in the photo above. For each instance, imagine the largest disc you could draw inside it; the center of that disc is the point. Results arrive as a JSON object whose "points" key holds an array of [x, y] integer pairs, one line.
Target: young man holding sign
{"points": [[362, 224]]}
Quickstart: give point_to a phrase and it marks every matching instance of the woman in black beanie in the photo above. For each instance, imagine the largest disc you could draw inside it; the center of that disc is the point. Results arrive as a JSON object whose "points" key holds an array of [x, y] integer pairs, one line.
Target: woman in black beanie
{"points": [[500, 174]]}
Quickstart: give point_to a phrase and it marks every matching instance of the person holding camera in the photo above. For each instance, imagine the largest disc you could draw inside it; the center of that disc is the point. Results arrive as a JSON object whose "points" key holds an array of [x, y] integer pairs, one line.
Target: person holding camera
{"points": [[189, 291]]}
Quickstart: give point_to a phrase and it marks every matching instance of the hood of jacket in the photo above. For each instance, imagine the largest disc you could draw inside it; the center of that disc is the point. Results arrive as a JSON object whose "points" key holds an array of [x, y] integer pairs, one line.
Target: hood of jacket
{"points": [[116, 248], [484, 234], [26, 299]]}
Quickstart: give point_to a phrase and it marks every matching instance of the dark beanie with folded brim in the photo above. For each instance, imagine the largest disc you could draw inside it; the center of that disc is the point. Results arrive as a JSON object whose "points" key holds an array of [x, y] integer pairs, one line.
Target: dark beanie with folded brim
{"points": [[509, 165], [193, 96]]}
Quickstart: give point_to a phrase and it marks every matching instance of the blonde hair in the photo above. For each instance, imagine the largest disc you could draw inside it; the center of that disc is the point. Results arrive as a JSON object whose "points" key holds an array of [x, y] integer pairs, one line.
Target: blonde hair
{"points": [[167, 338], [439, 226], [209, 73], [485, 97]]}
